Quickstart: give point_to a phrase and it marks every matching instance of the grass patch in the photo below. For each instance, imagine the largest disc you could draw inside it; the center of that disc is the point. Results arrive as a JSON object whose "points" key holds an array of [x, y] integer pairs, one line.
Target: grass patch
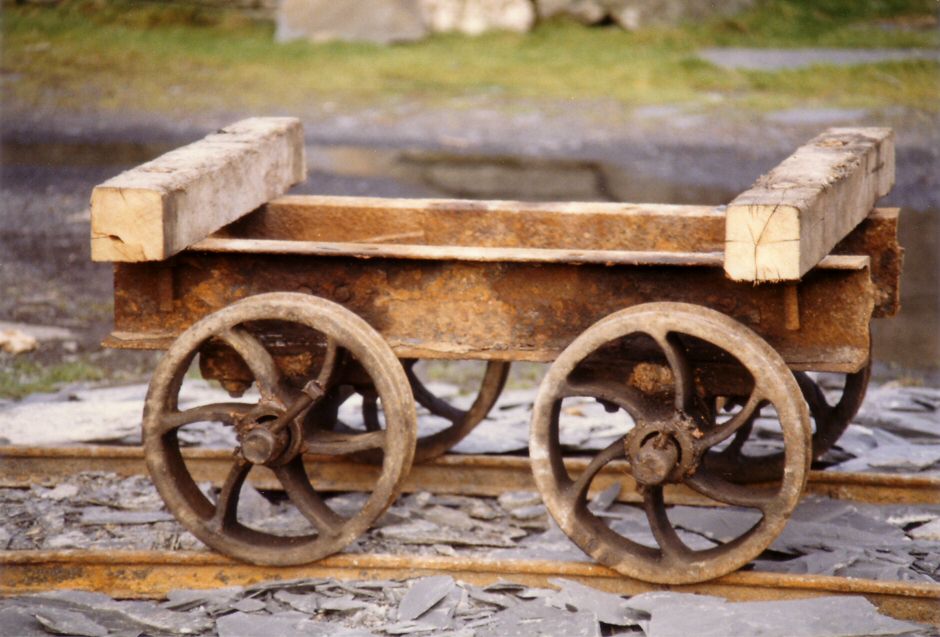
{"points": [[117, 56], [23, 376]]}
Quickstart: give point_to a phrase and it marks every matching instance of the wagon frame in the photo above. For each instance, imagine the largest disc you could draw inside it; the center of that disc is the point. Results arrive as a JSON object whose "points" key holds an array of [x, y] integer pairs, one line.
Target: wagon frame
{"points": [[313, 298]]}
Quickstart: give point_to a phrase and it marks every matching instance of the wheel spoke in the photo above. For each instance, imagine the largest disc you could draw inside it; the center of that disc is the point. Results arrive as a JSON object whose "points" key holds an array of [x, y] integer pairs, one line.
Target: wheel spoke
{"points": [[623, 396], [339, 444], [226, 413], [259, 361], [712, 486], [819, 407], [681, 369], [577, 491], [226, 507], [294, 478], [432, 403], [370, 411], [736, 445], [331, 363], [672, 547], [746, 416]]}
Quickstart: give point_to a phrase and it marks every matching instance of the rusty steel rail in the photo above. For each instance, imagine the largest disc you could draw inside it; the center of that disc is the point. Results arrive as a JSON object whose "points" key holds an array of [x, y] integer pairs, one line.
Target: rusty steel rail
{"points": [[151, 574], [451, 474]]}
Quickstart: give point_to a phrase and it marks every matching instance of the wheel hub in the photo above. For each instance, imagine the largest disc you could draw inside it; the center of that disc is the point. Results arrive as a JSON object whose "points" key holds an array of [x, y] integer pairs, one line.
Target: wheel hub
{"points": [[663, 451], [261, 446]]}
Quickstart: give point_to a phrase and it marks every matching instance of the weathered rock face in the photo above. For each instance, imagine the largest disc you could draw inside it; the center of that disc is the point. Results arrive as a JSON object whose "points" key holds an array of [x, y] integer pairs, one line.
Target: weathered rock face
{"points": [[634, 14], [583, 11], [473, 17], [378, 21]]}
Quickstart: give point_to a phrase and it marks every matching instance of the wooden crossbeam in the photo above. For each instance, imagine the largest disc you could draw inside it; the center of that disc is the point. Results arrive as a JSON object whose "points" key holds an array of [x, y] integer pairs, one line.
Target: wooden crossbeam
{"points": [[794, 215], [153, 211]]}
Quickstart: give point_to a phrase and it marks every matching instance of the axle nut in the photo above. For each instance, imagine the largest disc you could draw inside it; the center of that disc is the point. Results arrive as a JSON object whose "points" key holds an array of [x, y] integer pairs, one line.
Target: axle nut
{"points": [[656, 460], [260, 446]]}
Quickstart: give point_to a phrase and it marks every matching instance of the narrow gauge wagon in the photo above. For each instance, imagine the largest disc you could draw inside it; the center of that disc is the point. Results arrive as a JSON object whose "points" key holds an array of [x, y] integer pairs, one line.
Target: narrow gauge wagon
{"points": [[690, 322]]}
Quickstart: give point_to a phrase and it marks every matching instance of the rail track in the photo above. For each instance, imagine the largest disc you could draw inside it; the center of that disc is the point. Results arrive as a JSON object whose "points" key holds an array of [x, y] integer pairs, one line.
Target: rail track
{"points": [[151, 574], [452, 474], [147, 574]]}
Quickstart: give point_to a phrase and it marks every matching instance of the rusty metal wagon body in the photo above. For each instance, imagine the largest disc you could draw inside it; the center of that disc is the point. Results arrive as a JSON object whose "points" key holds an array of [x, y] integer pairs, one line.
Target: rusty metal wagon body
{"points": [[314, 299]]}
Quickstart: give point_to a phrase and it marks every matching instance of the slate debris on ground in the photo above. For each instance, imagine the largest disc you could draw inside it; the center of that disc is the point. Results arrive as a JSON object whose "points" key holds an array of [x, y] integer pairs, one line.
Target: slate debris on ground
{"points": [[439, 606], [101, 511], [826, 537], [896, 430]]}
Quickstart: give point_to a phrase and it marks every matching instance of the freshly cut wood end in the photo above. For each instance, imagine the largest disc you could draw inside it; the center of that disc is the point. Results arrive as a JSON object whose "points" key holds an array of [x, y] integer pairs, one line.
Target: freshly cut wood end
{"points": [[153, 211], [762, 243], [794, 215]]}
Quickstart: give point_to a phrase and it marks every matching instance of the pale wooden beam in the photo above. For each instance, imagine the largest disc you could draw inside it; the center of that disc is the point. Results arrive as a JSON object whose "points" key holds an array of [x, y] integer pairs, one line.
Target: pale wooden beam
{"points": [[794, 215], [153, 211]]}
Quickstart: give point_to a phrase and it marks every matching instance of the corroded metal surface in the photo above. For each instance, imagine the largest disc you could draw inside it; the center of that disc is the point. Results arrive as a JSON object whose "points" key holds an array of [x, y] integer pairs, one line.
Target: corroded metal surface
{"points": [[275, 431], [451, 474], [151, 575], [502, 311], [674, 431], [574, 226], [877, 237]]}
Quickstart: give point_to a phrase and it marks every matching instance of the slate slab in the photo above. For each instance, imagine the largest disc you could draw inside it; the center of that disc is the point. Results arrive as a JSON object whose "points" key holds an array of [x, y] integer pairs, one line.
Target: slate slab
{"points": [[538, 618], [423, 595], [66, 622], [18, 621], [818, 617], [608, 608]]}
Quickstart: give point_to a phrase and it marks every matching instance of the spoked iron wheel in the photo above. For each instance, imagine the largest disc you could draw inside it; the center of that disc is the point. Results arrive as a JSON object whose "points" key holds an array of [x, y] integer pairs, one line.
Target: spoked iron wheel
{"points": [[829, 422], [462, 421], [673, 429], [270, 431]]}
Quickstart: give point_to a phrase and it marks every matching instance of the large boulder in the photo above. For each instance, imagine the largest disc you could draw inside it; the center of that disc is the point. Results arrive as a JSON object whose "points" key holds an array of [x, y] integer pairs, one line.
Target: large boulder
{"points": [[635, 14], [473, 17], [584, 11], [378, 21]]}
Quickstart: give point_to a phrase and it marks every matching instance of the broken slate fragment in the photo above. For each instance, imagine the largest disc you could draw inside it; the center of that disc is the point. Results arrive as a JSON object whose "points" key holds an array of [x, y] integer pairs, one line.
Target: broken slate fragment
{"points": [[904, 457], [603, 500], [423, 595], [65, 622], [410, 627], [537, 618], [304, 603], [291, 624], [19, 621], [817, 617], [186, 599], [248, 605], [929, 531], [511, 500], [441, 615], [100, 516], [346, 603], [607, 607]]}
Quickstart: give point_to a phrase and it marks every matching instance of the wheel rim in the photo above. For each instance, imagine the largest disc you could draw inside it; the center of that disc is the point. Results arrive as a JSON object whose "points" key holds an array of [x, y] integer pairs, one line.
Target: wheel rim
{"points": [[829, 422], [667, 443], [462, 421], [270, 432]]}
